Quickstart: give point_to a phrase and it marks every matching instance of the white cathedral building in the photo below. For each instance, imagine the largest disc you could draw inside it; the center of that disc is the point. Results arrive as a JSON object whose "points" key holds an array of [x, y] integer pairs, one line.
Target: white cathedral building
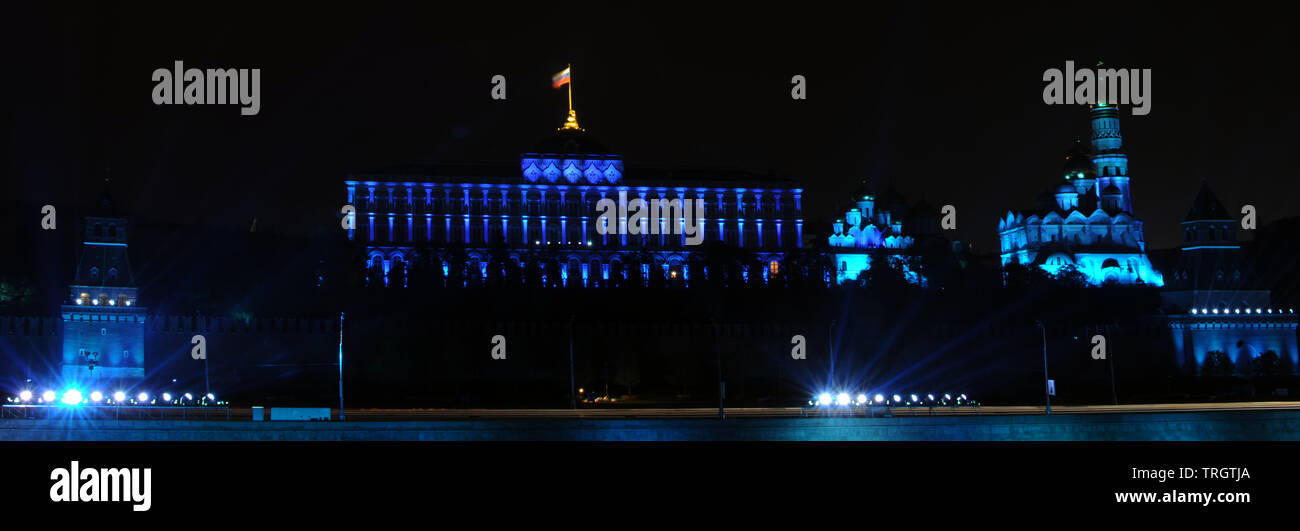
{"points": [[1087, 222]]}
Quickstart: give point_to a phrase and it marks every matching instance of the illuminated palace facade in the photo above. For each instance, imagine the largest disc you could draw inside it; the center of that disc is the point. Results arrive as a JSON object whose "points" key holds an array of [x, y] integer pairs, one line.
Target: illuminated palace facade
{"points": [[1086, 223], [539, 219]]}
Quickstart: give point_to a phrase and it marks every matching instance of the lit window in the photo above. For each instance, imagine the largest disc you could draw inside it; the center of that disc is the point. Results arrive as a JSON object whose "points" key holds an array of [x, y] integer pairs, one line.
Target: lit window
{"points": [[773, 267]]}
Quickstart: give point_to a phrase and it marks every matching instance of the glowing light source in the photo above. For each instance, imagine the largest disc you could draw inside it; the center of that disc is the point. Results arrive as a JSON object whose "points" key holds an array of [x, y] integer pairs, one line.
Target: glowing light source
{"points": [[143, 397], [880, 398], [96, 396], [862, 399], [72, 397], [842, 399], [167, 397], [824, 399], [25, 395], [189, 396], [211, 396], [47, 396]]}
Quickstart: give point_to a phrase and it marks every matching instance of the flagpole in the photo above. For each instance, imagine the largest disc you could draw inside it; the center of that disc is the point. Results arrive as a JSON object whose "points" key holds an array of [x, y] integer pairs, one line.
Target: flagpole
{"points": [[570, 83]]}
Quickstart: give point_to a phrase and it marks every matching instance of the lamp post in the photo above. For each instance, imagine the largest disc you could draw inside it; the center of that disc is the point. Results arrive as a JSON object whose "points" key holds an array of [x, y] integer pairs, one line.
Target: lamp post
{"points": [[1047, 391], [1110, 358], [573, 398], [207, 389], [722, 386], [341, 416], [830, 347]]}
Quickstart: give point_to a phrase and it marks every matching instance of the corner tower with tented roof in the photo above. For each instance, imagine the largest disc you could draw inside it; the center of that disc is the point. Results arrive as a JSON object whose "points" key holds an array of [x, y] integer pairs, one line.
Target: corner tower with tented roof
{"points": [[103, 322]]}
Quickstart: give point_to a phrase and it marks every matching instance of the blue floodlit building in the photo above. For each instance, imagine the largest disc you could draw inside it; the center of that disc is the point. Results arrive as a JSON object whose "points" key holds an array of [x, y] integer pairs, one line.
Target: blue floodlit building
{"points": [[103, 323], [1218, 304], [1086, 223], [541, 216], [872, 230]]}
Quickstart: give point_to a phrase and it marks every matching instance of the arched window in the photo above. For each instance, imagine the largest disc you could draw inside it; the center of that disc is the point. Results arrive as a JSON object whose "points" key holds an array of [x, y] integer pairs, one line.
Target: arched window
{"points": [[112, 274], [773, 267], [94, 274]]}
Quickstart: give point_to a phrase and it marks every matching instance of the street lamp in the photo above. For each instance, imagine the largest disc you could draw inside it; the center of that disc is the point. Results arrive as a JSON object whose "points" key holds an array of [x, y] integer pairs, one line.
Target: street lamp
{"points": [[722, 386], [573, 398], [1047, 391], [341, 417]]}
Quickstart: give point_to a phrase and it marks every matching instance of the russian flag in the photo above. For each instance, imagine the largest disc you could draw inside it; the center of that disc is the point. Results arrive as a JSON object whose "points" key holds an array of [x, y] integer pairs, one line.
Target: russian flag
{"points": [[561, 79]]}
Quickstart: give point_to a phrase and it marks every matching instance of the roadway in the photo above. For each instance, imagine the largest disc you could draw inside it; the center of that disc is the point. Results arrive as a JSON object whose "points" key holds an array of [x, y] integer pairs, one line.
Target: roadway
{"points": [[598, 413], [377, 414]]}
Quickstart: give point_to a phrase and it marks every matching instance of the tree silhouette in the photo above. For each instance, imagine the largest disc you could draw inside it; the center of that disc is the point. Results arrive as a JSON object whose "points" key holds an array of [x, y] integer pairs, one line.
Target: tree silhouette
{"points": [[1267, 364], [1217, 364]]}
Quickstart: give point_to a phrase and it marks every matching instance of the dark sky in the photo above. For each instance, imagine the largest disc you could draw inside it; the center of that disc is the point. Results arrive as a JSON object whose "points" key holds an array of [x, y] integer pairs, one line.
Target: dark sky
{"points": [[943, 102]]}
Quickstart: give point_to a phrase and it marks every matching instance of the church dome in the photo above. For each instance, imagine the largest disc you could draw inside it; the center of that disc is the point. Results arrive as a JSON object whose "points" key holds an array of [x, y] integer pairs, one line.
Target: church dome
{"points": [[892, 200], [1078, 163], [862, 192], [923, 209]]}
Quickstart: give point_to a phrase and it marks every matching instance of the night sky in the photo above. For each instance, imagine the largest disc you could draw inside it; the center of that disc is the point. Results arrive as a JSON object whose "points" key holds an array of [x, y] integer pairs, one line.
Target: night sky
{"points": [[944, 103]]}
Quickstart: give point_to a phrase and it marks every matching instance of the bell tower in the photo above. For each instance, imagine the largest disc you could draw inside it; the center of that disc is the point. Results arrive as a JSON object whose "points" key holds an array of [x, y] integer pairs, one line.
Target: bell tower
{"points": [[1108, 156]]}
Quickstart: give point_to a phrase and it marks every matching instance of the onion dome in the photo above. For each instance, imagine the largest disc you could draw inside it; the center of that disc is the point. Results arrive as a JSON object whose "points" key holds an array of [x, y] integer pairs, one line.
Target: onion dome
{"points": [[923, 209], [862, 192], [1078, 163]]}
